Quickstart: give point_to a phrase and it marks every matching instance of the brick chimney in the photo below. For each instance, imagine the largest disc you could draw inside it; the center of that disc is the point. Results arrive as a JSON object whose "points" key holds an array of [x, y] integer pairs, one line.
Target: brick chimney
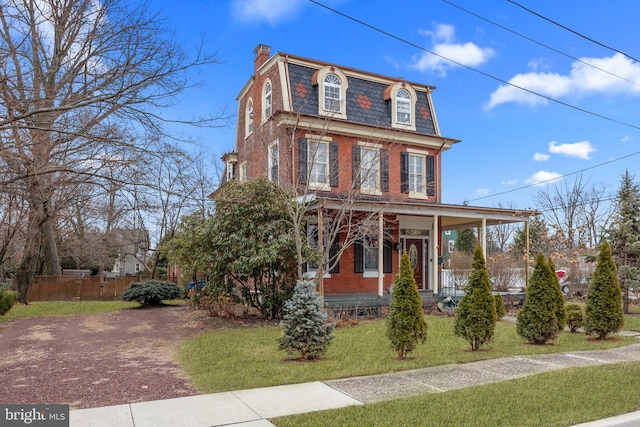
{"points": [[262, 52]]}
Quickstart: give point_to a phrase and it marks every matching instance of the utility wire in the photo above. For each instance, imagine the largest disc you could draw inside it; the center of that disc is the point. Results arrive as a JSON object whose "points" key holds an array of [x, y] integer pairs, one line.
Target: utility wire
{"points": [[564, 27], [556, 178], [538, 43], [405, 41]]}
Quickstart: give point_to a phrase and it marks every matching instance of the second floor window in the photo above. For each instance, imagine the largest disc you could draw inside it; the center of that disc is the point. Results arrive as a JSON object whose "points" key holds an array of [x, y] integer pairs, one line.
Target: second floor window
{"points": [[332, 92], [249, 117], [403, 107], [318, 162], [274, 160], [369, 169], [267, 101], [416, 173]]}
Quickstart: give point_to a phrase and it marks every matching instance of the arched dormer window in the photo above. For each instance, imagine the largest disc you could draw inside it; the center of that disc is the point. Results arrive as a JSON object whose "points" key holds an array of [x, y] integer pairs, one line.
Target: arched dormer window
{"points": [[266, 103], [403, 100], [403, 107], [332, 92], [249, 118]]}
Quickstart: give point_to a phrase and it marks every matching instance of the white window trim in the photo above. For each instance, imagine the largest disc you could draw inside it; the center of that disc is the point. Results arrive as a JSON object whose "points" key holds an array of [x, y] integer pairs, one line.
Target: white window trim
{"points": [[248, 117], [371, 190], [317, 185], [318, 79], [266, 117], [423, 154], [270, 159], [243, 171], [391, 96]]}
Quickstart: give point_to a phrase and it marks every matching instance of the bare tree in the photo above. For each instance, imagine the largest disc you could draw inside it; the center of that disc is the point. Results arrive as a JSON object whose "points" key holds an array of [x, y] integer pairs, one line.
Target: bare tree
{"points": [[75, 77]]}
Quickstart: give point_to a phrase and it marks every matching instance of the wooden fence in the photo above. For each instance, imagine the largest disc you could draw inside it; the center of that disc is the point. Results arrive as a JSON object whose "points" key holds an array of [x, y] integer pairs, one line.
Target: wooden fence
{"points": [[93, 288]]}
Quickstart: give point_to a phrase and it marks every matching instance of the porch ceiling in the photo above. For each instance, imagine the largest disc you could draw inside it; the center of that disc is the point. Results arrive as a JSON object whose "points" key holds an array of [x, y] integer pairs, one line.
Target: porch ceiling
{"points": [[452, 217]]}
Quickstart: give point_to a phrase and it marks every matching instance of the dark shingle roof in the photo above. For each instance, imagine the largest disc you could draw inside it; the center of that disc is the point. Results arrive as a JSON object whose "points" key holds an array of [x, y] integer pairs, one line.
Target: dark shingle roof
{"points": [[365, 101]]}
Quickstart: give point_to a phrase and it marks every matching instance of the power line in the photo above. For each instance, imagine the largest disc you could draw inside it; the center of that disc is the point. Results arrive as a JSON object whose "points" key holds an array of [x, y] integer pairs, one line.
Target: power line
{"points": [[556, 178], [400, 39], [564, 27], [538, 43]]}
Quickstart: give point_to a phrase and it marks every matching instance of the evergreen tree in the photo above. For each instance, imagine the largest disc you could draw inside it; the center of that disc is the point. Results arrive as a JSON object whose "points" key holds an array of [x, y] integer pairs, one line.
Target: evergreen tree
{"points": [[406, 325], [306, 330], [500, 310], [604, 310], [560, 311], [575, 317], [466, 240], [538, 320], [624, 235], [476, 314]]}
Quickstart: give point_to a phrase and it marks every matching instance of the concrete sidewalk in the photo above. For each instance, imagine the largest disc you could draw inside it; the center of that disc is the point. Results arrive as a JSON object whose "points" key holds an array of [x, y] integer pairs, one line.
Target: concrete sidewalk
{"points": [[253, 408]]}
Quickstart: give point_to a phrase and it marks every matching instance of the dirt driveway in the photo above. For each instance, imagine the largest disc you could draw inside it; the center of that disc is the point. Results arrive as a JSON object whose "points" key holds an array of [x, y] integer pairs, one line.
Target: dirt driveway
{"points": [[95, 359]]}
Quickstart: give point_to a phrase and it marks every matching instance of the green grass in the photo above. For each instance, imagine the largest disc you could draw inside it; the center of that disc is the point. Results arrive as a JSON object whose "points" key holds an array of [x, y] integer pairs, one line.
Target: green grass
{"points": [[57, 308], [233, 359], [558, 398]]}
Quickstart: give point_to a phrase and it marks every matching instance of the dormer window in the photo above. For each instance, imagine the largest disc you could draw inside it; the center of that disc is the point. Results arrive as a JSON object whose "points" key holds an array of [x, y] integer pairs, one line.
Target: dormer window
{"points": [[267, 101], [403, 107], [249, 117], [332, 92], [403, 101]]}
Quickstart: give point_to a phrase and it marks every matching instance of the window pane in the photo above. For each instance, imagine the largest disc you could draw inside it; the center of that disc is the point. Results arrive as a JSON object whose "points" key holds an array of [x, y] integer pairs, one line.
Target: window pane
{"points": [[370, 253], [369, 168], [403, 107], [318, 160], [250, 118], [416, 173], [267, 100], [332, 91]]}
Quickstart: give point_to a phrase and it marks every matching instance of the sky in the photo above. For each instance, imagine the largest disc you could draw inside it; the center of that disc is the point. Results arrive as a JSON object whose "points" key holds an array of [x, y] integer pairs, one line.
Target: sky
{"points": [[579, 115]]}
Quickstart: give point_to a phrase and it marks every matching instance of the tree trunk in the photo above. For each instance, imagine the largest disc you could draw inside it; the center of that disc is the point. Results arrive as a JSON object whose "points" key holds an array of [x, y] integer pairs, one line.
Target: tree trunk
{"points": [[50, 250], [26, 271]]}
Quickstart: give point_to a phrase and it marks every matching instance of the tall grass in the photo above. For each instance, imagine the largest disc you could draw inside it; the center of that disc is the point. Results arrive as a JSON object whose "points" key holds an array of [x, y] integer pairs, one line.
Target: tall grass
{"points": [[232, 359]]}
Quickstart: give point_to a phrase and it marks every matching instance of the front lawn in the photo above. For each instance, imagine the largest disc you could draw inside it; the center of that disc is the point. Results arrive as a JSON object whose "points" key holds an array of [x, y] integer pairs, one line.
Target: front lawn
{"points": [[232, 359]]}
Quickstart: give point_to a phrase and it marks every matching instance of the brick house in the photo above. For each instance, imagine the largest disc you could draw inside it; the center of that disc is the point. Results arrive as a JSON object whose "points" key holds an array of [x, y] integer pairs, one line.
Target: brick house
{"points": [[341, 135]]}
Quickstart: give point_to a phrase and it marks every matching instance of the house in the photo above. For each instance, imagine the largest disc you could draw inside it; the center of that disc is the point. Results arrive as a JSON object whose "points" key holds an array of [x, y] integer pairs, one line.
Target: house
{"points": [[348, 139], [132, 251]]}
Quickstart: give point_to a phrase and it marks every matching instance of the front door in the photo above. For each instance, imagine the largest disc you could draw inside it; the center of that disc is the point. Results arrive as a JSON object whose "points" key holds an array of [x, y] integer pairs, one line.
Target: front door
{"points": [[415, 250]]}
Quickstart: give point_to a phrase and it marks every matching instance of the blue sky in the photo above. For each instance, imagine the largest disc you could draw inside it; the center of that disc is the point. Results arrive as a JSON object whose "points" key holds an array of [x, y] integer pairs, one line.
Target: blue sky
{"points": [[511, 140]]}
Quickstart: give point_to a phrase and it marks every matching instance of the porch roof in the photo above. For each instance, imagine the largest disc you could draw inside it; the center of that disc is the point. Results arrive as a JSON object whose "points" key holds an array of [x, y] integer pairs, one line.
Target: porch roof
{"points": [[451, 217]]}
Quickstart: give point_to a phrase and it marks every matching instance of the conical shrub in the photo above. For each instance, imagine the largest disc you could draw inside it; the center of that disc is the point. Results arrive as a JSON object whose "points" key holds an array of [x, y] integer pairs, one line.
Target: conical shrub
{"points": [[575, 317], [558, 296], [476, 314], [406, 324], [604, 299], [538, 322]]}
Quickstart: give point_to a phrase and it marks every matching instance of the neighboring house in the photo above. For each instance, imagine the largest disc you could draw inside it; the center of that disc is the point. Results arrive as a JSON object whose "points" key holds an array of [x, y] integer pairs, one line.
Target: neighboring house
{"points": [[133, 251], [335, 133]]}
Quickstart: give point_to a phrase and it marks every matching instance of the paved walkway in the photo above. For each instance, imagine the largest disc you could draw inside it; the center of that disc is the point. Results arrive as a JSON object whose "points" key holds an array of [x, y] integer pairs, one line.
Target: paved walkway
{"points": [[253, 408]]}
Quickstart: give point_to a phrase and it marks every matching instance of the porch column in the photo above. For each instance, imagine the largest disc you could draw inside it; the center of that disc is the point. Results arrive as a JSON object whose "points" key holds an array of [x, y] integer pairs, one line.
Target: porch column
{"points": [[435, 238], [484, 238], [380, 254]]}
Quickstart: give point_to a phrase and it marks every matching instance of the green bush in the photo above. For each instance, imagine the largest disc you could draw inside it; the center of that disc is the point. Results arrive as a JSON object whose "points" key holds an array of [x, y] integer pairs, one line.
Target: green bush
{"points": [[575, 317], [500, 310], [476, 314], [152, 292], [7, 299], [540, 319], [604, 298], [306, 331], [406, 325]]}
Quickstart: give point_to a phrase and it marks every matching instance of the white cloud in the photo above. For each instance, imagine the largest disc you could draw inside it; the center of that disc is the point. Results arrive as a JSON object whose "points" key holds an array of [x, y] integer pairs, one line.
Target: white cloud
{"points": [[509, 182], [443, 41], [543, 178], [540, 157], [581, 150], [482, 191], [582, 80], [271, 11], [627, 138]]}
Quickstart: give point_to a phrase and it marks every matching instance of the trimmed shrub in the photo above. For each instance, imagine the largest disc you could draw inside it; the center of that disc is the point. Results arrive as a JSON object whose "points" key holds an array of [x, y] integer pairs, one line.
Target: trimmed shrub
{"points": [[306, 331], [604, 299], [500, 309], [575, 317], [152, 292], [558, 295], [476, 314], [406, 324], [538, 321], [7, 299]]}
